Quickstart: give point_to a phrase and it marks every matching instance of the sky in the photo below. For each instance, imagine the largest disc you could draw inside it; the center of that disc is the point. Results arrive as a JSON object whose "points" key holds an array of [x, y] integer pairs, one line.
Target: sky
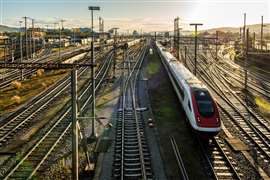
{"points": [[141, 15]]}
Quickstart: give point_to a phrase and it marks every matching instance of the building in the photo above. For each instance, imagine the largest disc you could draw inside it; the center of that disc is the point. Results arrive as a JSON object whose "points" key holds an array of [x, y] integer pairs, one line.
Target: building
{"points": [[4, 48]]}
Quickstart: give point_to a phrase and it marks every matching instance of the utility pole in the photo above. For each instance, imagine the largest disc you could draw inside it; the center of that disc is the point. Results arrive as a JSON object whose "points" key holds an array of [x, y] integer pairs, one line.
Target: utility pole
{"points": [[185, 62], [30, 42], [216, 45], [262, 33], [74, 35], [59, 50], [176, 37], [240, 33], [21, 47], [196, 44], [5, 49], [61, 28], [244, 28], [92, 9], [114, 48], [75, 152], [254, 40], [246, 59], [101, 31], [25, 31], [55, 32], [33, 38]]}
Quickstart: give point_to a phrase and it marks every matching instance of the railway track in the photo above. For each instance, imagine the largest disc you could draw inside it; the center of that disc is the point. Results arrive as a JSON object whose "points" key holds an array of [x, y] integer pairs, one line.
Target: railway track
{"points": [[12, 75], [33, 162], [257, 84], [132, 158], [25, 116], [250, 127], [254, 86], [179, 159], [219, 160]]}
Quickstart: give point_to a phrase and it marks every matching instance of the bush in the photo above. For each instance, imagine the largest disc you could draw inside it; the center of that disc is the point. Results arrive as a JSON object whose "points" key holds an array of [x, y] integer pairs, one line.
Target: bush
{"points": [[16, 84], [16, 99], [44, 85], [40, 72]]}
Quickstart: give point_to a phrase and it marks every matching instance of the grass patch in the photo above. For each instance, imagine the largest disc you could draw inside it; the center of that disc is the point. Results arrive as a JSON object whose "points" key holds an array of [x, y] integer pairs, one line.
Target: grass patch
{"points": [[105, 99], [263, 104], [165, 108], [57, 49], [153, 67], [12, 96], [170, 121]]}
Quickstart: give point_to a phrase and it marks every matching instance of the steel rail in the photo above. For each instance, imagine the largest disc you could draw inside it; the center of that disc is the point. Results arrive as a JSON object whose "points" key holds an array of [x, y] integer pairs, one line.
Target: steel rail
{"points": [[9, 129], [63, 117], [225, 98], [179, 159]]}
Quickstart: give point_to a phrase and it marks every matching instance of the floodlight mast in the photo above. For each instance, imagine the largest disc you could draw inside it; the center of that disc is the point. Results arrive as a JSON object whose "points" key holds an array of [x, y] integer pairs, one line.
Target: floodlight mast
{"points": [[196, 44], [92, 9]]}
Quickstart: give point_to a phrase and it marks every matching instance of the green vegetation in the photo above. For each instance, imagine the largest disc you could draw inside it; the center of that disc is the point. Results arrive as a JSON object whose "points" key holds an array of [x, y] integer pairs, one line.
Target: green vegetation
{"points": [[169, 119], [263, 104], [57, 49], [153, 68], [165, 107]]}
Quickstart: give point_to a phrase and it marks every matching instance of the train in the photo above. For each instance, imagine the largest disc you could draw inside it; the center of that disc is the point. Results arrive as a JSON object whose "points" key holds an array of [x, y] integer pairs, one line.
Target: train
{"points": [[132, 43], [198, 103]]}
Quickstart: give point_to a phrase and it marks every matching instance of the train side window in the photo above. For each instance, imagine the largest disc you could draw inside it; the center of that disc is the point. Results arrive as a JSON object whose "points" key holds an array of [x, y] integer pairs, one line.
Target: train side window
{"points": [[189, 106], [182, 93]]}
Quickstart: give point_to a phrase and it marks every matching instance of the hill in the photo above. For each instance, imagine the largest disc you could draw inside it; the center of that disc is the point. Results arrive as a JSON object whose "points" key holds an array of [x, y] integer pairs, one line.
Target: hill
{"points": [[8, 29], [252, 28]]}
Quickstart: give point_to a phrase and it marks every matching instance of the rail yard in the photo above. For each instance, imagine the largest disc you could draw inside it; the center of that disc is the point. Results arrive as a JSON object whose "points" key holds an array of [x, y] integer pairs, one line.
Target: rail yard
{"points": [[103, 103]]}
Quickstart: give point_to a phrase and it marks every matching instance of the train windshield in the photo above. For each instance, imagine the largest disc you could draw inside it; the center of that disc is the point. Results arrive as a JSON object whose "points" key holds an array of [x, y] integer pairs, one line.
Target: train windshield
{"points": [[204, 103]]}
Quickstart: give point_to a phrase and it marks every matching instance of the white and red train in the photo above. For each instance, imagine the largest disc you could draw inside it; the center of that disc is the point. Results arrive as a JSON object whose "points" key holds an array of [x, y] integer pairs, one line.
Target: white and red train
{"points": [[197, 102]]}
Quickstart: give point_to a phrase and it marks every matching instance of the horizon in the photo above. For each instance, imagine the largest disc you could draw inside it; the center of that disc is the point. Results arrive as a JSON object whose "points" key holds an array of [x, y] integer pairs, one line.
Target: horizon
{"points": [[141, 15]]}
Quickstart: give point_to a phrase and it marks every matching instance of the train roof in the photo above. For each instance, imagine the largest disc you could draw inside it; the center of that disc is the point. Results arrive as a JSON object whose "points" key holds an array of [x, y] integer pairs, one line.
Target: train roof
{"points": [[181, 71]]}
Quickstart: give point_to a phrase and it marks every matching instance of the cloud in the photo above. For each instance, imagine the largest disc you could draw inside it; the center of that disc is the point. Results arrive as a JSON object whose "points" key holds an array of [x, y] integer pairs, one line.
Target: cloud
{"points": [[124, 24]]}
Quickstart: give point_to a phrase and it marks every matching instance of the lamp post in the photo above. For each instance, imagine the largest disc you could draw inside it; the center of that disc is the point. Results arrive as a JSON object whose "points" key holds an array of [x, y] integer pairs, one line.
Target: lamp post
{"points": [[196, 42], [92, 9]]}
